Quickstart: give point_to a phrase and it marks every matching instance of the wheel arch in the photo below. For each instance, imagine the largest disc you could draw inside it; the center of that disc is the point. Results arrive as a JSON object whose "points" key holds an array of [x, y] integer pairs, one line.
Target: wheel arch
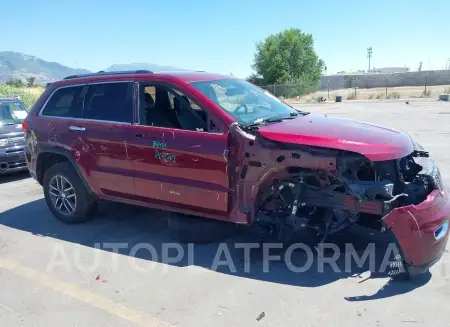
{"points": [[49, 157]]}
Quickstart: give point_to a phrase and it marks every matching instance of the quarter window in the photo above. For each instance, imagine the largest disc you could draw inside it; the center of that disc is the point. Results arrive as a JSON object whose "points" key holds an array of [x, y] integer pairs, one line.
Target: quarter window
{"points": [[109, 102], [64, 102]]}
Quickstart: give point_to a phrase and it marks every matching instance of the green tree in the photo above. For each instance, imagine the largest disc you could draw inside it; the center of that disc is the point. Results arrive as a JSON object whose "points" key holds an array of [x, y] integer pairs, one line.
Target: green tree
{"points": [[30, 81], [288, 57], [15, 82], [255, 79]]}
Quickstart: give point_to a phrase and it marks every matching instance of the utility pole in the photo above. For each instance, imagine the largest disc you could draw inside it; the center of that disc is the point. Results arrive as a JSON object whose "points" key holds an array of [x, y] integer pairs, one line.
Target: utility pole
{"points": [[369, 55]]}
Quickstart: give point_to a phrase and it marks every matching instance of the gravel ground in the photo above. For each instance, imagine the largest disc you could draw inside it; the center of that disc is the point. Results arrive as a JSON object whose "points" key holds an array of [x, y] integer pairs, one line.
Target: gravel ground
{"points": [[52, 274]]}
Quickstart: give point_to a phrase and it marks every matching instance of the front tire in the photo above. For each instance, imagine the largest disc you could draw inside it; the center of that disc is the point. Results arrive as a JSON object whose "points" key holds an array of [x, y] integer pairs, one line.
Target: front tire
{"points": [[66, 195]]}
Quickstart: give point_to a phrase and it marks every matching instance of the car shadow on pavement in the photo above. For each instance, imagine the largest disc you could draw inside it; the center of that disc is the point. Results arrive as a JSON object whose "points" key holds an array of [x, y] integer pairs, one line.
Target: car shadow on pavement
{"points": [[140, 227], [13, 177]]}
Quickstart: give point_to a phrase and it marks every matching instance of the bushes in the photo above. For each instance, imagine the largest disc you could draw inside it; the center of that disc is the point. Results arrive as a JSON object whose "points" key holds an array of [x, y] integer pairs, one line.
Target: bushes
{"points": [[393, 95], [27, 97], [15, 82]]}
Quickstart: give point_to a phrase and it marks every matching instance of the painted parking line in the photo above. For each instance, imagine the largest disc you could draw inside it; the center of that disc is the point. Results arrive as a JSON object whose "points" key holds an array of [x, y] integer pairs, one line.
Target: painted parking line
{"points": [[77, 293]]}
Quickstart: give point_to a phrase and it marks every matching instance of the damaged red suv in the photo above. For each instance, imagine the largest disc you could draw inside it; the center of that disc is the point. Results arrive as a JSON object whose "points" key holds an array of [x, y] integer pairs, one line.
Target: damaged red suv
{"points": [[213, 146]]}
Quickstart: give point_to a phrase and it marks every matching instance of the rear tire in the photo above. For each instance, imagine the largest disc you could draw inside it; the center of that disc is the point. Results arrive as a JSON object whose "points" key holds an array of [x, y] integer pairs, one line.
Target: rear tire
{"points": [[66, 196], [191, 229]]}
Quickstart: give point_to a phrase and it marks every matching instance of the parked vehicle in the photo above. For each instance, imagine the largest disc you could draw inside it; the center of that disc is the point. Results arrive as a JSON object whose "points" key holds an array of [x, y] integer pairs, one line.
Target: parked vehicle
{"points": [[213, 146], [12, 139]]}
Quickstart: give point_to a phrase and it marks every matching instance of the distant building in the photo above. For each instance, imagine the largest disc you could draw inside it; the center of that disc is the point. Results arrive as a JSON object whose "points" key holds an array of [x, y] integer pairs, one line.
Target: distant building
{"points": [[388, 70], [384, 70]]}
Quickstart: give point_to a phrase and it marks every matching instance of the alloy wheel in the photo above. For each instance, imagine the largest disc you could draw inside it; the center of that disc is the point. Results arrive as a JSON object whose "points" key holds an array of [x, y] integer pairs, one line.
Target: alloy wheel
{"points": [[62, 195]]}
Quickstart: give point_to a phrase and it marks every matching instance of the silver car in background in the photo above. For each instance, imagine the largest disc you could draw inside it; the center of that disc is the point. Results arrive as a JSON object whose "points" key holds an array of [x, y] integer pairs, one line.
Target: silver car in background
{"points": [[12, 139]]}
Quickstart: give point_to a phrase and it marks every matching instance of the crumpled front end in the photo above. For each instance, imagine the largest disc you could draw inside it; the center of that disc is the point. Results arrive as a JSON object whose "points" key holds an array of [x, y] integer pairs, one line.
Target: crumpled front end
{"points": [[286, 188]]}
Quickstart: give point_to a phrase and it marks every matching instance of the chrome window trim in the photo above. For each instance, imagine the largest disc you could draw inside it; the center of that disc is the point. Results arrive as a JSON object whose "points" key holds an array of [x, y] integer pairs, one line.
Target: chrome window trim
{"points": [[40, 114], [90, 120], [102, 121]]}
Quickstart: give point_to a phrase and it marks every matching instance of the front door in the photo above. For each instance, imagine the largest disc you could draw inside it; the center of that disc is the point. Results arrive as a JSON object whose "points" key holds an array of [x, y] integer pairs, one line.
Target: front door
{"points": [[177, 161], [181, 168]]}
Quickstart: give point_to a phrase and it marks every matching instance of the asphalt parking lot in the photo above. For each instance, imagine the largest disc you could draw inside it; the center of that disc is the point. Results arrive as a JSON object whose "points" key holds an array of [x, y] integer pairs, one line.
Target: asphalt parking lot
{"points": [[52, 274]]}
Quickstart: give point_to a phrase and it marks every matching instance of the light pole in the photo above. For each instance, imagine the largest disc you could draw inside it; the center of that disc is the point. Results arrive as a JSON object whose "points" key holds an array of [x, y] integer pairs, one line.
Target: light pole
{"points": [[369, 55]]}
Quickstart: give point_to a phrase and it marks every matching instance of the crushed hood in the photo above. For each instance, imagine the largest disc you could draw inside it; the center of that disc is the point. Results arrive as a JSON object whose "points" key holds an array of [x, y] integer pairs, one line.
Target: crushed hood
{"points": [[375, 142]]}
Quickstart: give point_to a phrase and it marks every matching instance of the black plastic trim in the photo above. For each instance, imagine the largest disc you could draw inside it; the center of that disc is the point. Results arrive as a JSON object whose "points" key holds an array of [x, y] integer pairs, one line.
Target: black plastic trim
{"points": [[69, 157]]}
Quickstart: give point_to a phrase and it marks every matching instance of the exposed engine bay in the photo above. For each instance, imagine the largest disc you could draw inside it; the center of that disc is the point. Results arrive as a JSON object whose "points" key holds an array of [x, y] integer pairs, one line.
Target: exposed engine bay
{"points": [[341, 189]]}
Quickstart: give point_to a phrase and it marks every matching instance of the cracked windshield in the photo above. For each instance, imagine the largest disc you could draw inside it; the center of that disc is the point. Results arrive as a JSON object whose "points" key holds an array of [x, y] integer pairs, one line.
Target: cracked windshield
{"points": [[216, 164]]}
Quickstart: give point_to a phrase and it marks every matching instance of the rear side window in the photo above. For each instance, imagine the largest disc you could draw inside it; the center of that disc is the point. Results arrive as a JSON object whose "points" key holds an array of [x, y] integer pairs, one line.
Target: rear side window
{"points": [[64, 102], [109, 102]]}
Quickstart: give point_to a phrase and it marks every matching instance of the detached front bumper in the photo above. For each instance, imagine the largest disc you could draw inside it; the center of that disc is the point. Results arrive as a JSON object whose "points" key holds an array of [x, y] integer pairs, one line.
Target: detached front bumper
{"points": [[421, 230]]}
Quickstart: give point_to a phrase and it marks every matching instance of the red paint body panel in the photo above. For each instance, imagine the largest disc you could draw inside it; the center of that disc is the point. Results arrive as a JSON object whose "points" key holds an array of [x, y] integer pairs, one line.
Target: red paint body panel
{"points": [[414, 228], [375, 142], [195, 175], [101, 154]]}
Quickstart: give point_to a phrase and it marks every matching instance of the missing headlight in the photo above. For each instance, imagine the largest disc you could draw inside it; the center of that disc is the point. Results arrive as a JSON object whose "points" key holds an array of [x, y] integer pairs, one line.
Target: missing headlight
{"points": [[431, 169], [436, 178]]}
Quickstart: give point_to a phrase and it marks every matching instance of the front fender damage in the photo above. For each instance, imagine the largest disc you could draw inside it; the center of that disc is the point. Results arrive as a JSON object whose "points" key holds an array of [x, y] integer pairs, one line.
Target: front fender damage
{"points": [[287, 187]]}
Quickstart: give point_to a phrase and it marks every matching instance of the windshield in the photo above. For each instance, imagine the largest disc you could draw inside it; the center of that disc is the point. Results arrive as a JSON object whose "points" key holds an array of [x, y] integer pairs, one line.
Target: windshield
{"points": [[12, 113], [246, 102]]}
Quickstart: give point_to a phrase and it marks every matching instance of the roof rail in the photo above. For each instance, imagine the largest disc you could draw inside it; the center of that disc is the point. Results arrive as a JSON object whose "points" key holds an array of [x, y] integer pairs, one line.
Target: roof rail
{"points": [[102, 73]]}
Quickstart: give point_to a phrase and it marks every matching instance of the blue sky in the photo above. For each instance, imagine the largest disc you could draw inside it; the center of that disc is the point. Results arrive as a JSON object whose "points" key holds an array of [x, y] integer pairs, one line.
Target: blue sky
{"points": [[220, 36]]}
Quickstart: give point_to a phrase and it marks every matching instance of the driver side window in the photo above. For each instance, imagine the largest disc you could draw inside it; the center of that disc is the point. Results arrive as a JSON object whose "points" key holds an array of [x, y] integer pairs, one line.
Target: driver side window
{"points": [[163, 106]]}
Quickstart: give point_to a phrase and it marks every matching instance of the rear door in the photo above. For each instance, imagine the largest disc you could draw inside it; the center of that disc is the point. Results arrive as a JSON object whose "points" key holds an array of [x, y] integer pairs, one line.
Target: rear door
{"points": [[49, 130], [177, 167], [99, 138]]}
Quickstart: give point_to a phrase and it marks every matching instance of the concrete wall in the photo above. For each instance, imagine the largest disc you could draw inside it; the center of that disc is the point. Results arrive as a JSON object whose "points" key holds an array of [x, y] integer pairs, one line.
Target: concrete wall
{"points": [[431, 77]]}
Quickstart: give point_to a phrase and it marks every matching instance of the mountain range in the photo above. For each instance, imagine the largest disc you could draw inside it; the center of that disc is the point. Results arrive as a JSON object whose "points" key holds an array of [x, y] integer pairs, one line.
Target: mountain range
{"points": [[21, 66]]}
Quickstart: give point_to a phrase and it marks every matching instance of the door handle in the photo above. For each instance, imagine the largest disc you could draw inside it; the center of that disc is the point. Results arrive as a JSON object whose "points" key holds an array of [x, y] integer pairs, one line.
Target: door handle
{"points": [[77, 129]]}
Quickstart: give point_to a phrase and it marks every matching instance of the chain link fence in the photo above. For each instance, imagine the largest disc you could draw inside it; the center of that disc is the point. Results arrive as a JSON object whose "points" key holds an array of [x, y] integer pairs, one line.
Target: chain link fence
{"points": [[367, 87], [288, 91], [387, 86]]}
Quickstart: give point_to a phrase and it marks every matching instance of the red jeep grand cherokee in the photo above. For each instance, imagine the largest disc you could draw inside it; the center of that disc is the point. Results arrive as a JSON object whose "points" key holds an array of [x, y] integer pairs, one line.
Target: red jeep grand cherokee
{"points": [[218, 147]]}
